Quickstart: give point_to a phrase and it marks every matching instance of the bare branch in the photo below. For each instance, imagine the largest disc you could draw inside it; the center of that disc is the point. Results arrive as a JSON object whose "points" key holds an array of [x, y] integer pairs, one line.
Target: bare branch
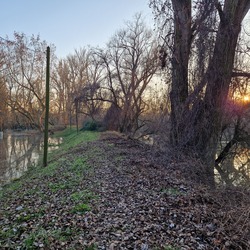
{"points": [[240, 74], [220, 10]]}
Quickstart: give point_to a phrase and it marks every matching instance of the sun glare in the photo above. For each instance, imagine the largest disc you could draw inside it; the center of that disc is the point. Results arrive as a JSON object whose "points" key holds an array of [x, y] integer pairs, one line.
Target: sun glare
{"points": [[246, 98]]}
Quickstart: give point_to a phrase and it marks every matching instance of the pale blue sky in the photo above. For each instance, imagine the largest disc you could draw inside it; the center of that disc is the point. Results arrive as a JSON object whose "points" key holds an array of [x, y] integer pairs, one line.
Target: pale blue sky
{"points": [[69, 24]]}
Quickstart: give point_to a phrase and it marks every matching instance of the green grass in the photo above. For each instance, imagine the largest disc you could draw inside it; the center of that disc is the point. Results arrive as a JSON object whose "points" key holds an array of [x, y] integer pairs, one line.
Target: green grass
{"points": [[70, 172], [41, 238], [79, 164], [71, 138], [10, 187], [81, 208], [171, 248], [54, 187], [171, 191], [84, 195], [63, 177], [49, 170], [55, 158]]}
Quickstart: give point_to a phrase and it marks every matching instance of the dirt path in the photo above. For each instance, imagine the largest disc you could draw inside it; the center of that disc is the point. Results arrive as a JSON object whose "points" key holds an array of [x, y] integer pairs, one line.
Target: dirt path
{"points": [[139, 204], [144, 205]]}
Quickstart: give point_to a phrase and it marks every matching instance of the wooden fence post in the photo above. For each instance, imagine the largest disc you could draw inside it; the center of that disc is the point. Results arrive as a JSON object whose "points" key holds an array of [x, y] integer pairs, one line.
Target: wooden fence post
{"points": [[46, 125]]}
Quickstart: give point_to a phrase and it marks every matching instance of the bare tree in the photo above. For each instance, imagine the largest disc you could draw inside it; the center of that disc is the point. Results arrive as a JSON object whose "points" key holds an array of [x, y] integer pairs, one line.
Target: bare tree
{"points": [[197, 114], [90, 97], [24, 60], [3, 103], [75, 81], [69, 76], [61, 88], [130, 62]]}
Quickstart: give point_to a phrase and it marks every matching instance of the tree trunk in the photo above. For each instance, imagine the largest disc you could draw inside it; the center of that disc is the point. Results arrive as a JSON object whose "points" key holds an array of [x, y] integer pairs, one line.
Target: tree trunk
{"points": [[218, 79], [182, 43], [199, 127]]}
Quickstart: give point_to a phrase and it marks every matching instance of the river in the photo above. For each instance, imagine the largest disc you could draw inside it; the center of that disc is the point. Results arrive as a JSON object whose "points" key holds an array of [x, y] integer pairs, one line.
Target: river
{"points": [[19, 151]]}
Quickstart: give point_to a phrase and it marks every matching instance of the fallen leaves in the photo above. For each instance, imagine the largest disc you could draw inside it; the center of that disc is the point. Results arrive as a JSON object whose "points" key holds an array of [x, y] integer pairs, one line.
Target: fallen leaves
{"points": [[119, 196]]}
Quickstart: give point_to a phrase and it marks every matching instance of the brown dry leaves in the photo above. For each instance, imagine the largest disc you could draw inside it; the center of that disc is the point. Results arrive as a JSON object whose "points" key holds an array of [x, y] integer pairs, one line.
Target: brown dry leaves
{"points": [[142, 204]]}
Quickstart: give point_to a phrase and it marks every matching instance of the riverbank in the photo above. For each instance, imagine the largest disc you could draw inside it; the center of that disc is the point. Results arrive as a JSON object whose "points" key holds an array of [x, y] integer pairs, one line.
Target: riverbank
{"points": [[102, 191]]}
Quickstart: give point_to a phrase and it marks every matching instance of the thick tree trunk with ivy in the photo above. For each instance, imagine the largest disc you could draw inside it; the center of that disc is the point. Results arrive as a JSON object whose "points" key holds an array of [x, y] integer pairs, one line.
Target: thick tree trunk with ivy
{"points": [[197, 121]]}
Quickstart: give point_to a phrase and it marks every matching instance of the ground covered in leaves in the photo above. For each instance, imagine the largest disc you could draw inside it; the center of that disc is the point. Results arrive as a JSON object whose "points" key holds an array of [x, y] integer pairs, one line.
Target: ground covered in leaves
{"points": [[117, 193]]}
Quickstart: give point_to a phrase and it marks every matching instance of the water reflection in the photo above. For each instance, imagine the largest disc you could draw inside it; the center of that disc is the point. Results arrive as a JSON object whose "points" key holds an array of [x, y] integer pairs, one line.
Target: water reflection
{"points": [[18, 151], [235, 169]]}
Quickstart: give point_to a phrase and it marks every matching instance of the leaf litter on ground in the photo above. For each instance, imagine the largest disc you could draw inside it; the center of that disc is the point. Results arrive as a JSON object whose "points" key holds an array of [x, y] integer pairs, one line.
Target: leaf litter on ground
{"points": [[117, 193]]}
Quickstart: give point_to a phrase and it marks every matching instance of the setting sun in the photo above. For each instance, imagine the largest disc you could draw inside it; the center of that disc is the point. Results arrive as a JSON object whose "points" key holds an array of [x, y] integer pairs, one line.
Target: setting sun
{"points": [[246, 98]]}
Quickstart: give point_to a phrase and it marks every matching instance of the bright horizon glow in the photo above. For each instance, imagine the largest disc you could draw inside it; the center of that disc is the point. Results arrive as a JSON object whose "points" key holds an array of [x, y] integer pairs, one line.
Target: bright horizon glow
{"points": [[70, 25], [246, 98]]}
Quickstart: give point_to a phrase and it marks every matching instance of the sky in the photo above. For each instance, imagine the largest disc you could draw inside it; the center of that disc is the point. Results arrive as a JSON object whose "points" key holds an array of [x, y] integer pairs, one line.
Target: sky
{"points": [[70, 24]]}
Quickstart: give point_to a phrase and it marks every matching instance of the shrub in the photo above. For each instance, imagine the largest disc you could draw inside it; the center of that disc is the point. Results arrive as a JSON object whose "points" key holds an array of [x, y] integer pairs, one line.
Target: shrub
{"points": [[92, 125]]}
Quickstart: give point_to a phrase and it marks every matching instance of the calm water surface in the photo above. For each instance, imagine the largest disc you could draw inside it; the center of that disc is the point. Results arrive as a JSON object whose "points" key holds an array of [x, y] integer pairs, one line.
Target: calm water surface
{"points": [[19, 151]]}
